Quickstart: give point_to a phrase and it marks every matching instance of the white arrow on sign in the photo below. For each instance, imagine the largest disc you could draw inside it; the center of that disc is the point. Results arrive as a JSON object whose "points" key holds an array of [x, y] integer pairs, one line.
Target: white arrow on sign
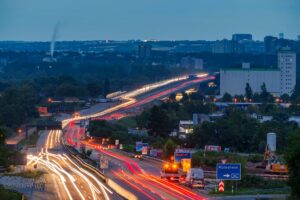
{"points": [[226, 175]]}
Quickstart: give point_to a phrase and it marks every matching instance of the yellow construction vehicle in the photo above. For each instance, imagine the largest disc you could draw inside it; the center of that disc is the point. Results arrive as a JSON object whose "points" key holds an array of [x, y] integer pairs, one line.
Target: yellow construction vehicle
{"points": [[274, 164]]}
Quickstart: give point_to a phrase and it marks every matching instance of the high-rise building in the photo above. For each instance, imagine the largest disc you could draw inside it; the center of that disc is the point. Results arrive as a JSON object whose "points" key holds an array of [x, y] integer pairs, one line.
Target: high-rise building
{"points": [[281, 35], [239, 36], [270, 43], [193, 63], [287, 66], [250, 46], [223, 46], [144, 51]]}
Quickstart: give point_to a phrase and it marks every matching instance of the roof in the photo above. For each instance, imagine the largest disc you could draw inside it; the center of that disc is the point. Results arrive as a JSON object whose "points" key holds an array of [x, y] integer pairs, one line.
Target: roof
{"points": [[15, 140], [251, 69]]}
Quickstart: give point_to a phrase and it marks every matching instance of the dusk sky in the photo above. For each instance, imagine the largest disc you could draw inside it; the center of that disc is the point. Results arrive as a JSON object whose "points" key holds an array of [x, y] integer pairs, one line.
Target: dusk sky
{"points": [[35, 20]]}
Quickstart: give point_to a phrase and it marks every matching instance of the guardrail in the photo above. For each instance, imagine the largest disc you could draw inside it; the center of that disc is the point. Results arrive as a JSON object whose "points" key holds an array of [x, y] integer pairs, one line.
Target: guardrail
{"points": [[213, 173], [116, 187]]}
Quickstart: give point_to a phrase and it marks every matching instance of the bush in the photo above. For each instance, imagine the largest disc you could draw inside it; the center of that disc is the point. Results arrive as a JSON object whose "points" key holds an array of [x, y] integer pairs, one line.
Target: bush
{"points": [[250, 181], [255, 158], [8, 194], [28, 174]]}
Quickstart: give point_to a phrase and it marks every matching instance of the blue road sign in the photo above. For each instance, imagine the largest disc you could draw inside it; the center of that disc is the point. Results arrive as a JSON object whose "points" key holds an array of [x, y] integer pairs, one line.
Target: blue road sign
{"points": [[230, 171], [138, 146]]}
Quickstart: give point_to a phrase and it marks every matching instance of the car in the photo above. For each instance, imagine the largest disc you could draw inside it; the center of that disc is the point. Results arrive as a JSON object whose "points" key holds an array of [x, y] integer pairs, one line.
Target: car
{"points": [[138, 156]]}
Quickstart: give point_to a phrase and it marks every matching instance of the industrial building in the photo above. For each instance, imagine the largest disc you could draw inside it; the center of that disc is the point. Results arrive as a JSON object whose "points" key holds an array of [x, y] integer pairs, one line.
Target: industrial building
{"points": [[281, 80]]}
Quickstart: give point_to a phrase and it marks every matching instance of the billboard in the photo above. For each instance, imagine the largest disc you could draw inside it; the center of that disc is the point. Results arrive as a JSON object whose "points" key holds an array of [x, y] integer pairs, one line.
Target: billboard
{"points": [[180, 154], [138, 146], [145, 148], [213, 148], [156, 152]]}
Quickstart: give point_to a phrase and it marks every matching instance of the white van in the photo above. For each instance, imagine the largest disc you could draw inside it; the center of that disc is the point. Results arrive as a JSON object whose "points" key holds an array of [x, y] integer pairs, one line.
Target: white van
{"points": [[194, 178]]}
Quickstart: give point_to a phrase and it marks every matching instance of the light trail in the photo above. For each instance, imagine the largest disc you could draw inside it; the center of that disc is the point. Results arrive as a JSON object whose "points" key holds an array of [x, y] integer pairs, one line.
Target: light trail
{"points": [[170, 188], [101, 185], [132, 166], [63, 180], [129, 97], [54, 162], [132, 185], [143, 183]]}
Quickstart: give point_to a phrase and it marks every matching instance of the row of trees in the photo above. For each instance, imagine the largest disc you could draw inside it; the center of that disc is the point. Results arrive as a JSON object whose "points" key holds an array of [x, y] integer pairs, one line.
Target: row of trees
{"points": [[237, 129], [240, 132], [122, 76], [18, 104], [264, 96], [161, 120]]}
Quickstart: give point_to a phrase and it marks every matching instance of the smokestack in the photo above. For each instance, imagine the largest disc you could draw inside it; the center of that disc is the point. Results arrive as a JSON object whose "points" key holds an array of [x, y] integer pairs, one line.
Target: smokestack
{"points": [[54, 37]]}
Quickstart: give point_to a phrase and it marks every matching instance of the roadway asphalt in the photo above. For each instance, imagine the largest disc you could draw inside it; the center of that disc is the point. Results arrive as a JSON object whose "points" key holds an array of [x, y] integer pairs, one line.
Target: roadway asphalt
{"points": [[70, 178], [140, 179]]}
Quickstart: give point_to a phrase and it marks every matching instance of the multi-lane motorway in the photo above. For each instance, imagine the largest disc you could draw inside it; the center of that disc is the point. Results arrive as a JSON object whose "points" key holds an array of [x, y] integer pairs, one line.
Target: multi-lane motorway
{"points": [[136, 97], [141, 179], [76, 180]]}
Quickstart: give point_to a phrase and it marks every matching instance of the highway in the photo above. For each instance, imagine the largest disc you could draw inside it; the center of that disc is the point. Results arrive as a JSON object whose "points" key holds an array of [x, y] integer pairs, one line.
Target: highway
{"points": [[75, 180], [132, 99], [140, 179], [147, 177]]}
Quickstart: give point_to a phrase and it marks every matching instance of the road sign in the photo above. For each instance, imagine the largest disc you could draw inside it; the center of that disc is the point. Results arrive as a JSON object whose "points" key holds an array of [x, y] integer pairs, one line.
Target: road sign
{"points": [[103, 162], [230, 171], [138, 146], [180, 154], [145, 148], [221, 186]]}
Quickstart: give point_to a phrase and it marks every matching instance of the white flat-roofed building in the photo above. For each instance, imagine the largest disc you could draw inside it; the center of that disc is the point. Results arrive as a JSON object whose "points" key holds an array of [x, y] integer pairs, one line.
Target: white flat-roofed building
{"points": [[279, 81], [234, 81]]}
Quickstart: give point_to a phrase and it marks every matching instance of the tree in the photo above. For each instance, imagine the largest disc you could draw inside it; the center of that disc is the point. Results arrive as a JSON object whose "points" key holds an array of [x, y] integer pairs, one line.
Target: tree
{"points": [[197, 96], [172, 97], [68, 90], [292, 156], [285, 98], [296, 91], [185, 97], [4, 153], [158, 142], [265, 96], [159, 122], [227, 97], [169, 149], [248, 92], [256, 97], [101, 129], [93, 89], [106, 89]]}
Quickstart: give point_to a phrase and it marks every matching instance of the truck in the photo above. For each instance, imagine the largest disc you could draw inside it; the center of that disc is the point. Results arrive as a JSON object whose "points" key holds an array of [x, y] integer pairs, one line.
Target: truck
{"points": [[194, 178], [170, 171]]}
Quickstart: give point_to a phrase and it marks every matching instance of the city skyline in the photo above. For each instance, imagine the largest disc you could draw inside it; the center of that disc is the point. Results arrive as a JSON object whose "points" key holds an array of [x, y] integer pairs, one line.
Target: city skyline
{"points": [[101, 20]]}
